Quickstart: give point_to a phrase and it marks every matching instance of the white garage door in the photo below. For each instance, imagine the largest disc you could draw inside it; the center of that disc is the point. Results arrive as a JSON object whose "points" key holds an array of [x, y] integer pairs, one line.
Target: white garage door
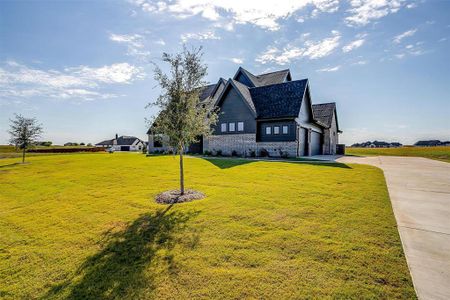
{"points": [[316, 143]]}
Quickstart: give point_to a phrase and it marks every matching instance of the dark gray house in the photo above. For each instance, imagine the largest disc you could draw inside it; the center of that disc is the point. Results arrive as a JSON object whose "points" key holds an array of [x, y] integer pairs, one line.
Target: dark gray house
{"points": [[266, 113]]}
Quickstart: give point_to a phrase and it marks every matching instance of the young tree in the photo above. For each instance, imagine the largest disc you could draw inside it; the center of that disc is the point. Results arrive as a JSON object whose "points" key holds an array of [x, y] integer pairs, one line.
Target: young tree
{"points": [[24, 132], [182, 117]]}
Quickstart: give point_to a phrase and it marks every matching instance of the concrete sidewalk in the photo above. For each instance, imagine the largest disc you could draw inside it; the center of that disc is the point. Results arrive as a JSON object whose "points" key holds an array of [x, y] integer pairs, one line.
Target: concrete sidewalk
{"points": [[419, 189]]}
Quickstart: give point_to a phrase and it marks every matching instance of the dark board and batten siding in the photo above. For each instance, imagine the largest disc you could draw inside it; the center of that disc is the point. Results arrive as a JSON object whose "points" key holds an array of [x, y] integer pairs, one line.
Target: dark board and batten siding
{"points": [[234, 110], [280, 137]]}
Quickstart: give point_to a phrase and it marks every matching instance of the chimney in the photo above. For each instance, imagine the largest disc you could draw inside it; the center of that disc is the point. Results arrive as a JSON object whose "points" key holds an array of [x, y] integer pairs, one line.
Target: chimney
{"points": [[117, 136]]}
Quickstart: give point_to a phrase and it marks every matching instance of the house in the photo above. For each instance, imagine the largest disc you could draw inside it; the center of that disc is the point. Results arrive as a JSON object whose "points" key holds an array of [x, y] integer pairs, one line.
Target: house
{"points": [[377, 144], [123, 143], [431, 143], [267, 113]]}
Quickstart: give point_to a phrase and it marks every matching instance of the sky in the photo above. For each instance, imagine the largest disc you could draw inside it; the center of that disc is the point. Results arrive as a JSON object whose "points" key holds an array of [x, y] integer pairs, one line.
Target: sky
{"points": [[84, 69]]}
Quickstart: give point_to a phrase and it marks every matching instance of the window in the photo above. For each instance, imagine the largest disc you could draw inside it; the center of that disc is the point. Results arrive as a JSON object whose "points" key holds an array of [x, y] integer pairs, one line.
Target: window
{"points": [[285, 129], [268, 130], [231, 126], [157, 144], [276, 130], [223, 127], [240, 126]]}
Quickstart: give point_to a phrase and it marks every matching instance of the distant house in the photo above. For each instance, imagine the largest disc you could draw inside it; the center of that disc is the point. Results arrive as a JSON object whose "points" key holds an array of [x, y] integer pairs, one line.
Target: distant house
{"points": [[377, 144], [431, 143], [267, 113], [123, 143]]}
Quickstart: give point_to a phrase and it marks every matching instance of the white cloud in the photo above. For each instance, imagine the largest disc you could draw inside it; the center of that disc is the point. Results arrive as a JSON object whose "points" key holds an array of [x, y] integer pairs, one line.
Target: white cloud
{"points": [[411, 5], [329, 69], [208, 35], [353, 45], [263, 13], [361, 62], [160, 42], [237, 60], [312, 50], [134, 43], [82, 82], [405, 34], [362, 12]]}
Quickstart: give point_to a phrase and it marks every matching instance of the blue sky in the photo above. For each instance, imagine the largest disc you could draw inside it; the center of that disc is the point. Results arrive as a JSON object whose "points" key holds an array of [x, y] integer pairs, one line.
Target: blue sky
{"points": [[83, 68]]}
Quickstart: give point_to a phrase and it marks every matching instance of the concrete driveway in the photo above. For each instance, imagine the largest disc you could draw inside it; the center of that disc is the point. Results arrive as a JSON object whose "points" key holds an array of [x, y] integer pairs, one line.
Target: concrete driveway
{"points": [[419, 189]]}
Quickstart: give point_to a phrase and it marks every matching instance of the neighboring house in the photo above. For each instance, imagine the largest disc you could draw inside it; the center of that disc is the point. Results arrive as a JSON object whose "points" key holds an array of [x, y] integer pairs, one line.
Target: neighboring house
{"points": [[377, 144], [265, 113], [431, 143], [123, 143]]}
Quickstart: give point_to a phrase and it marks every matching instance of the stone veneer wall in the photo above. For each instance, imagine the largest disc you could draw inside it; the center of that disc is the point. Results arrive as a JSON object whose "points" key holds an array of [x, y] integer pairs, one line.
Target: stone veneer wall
{"points": [[243, 144]]}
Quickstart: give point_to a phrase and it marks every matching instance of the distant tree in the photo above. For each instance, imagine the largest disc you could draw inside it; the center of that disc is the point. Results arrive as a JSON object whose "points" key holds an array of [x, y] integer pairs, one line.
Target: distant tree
{"points": [[182, 118], [24, 132], [89, 145], [82, 144]]}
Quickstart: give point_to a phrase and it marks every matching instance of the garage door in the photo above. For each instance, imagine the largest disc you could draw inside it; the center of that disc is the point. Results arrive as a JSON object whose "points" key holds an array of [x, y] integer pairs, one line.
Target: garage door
{"points": [[316, 143], [124, 148]]}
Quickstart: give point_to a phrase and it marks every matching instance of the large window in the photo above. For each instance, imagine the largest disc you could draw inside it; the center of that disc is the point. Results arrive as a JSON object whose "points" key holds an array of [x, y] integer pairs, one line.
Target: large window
{"points": [[276, 130], [285, 129], [268, 130], [231, 126], [223, 127], [240, 126]]}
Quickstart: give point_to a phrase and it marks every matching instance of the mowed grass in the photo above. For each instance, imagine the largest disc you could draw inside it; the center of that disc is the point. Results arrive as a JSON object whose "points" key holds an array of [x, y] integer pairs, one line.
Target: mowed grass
{"points": [[7, 151], [86, 227], [439, 153]]}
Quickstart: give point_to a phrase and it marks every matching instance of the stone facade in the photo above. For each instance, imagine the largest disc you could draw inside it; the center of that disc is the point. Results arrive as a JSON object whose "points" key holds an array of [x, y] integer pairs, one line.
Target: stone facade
{"points": [[245, 144], [151, 145]]}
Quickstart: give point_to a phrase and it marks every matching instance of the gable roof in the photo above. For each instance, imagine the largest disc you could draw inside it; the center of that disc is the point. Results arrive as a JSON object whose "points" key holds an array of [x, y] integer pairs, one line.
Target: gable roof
{"points": [[265, 79], [281, 100], [126, 140], [323, 113], [206, 91], [242, 90]]}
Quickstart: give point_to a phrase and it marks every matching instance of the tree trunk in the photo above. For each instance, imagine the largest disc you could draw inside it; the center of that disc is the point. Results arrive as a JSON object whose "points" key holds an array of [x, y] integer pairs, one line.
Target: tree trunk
{"points": [[181, 172], [23, 155]]}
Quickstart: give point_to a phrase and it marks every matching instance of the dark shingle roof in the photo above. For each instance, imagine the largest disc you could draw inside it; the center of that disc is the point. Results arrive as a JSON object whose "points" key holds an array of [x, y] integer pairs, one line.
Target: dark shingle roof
{"points": [[323, 113], [267, 78], [272, 78], [105, 143], [279, 100], [243, 89], [206, 91], [126, 140]]}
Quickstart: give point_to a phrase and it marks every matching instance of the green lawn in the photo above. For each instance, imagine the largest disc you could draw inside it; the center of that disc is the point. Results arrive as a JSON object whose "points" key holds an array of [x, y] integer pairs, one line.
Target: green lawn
{"points": [[439, 153], [86, 227], [7, 151]]}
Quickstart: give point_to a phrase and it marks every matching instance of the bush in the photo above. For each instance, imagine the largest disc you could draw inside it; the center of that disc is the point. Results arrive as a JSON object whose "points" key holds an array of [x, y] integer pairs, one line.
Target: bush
{"points": [[144, 150], [219, 152], [264, 153], [207, 153], [284, 154], [234, 153], [252, 153]]}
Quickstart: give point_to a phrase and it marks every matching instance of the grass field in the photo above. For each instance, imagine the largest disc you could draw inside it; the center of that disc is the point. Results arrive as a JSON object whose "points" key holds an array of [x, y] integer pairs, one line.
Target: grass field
{"points": [[438, 153], [86, 227], [7, 151]]}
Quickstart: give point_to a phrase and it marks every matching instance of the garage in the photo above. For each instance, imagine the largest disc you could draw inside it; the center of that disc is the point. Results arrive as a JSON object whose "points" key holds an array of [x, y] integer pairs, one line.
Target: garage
{"points": [[316, 143], [124, 148]]}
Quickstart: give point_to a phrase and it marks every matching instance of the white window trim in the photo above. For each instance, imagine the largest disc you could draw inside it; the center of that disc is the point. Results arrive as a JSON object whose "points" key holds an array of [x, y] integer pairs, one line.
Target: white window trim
{"points": [[240, 126], [223, 127], [287, 129], [275, 131], [234, 127], [268, 130]]}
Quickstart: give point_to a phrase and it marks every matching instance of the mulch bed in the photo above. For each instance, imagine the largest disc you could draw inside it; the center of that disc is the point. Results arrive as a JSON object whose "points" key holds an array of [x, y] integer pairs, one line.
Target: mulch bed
{"points": [[173, 196]]}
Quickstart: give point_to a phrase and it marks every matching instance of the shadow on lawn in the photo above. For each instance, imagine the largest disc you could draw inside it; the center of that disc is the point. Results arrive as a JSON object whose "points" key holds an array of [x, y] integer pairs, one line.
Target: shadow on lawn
{"points": [[129, 261], [225, 163]]}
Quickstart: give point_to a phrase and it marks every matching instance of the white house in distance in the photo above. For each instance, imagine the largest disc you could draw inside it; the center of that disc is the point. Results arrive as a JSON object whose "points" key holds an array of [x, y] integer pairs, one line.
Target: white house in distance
{"points": [[123, 143]]}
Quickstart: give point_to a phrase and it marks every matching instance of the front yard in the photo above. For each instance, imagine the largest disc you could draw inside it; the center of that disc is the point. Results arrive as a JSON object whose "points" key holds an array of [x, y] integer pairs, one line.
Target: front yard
{"points": [[85, 226]]}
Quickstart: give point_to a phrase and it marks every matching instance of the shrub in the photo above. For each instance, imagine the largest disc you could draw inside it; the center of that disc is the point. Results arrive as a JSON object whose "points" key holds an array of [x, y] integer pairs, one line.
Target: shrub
{"points": [[144, 150], [252, 153], [284, 154], [207, 153], [234, 153], [264, 153], [219, 152]]}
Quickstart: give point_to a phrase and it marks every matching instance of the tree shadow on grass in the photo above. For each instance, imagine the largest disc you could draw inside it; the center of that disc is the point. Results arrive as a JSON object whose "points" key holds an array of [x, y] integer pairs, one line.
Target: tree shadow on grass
{"points": [[129, 261], [225, 163], [10, 165]]}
